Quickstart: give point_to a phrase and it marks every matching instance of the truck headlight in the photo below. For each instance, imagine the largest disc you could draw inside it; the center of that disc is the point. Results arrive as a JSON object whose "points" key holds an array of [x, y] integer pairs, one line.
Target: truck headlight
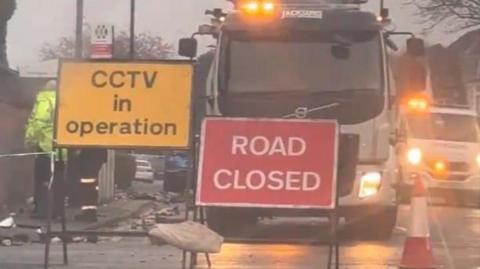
{"points": [[414, 156], [370, 184]]}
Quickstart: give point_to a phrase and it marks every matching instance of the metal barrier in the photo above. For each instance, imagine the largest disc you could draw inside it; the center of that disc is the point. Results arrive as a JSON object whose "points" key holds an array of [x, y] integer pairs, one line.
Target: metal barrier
{"points": [[26, 154], [64, 234], [106, 179]]}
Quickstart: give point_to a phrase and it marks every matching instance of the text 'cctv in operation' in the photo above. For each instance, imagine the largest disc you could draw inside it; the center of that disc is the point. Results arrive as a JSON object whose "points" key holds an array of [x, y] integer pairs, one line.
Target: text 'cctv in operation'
{"points": [[116, 80]]}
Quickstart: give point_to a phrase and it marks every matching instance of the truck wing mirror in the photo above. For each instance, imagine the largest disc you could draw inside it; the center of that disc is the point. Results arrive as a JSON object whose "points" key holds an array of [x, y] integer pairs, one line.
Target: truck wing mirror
{"points": [[187, 47], [416, 47]]}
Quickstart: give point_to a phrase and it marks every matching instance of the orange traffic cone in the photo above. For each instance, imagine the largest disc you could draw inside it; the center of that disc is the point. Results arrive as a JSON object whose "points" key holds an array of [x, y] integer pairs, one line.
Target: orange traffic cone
{"points": [[417, 251]]}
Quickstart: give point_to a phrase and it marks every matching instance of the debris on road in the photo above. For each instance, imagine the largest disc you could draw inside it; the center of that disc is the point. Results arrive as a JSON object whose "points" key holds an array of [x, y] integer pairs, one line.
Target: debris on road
{"points": [[167, 212], [175, 197], [120, 196], [79, 239], [148, 221], [143, 196], [7, 242], [162, 197], [8, 222], [56, 240]]}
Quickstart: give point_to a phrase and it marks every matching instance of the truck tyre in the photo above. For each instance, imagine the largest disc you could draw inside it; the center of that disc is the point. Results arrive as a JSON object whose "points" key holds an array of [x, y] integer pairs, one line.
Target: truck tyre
{"points": [[378, 226], [230, 221]]}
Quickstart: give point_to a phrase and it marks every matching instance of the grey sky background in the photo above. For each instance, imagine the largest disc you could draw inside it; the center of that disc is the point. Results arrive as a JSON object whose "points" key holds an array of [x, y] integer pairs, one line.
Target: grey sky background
{"points": [[38, 21]]}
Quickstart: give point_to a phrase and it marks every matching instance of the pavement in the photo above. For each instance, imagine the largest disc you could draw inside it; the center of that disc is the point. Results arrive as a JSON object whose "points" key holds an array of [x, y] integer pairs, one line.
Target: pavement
{"points": [[455, 236], [109, 214]]}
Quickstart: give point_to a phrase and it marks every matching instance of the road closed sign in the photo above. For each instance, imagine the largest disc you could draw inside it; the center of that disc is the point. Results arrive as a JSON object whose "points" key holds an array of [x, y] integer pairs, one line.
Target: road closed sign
{"points": [[267, 163], [124, 104]]}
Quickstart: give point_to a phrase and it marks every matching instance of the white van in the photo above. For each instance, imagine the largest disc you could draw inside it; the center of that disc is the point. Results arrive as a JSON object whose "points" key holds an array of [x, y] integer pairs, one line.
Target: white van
{"points": [[440, 145]]}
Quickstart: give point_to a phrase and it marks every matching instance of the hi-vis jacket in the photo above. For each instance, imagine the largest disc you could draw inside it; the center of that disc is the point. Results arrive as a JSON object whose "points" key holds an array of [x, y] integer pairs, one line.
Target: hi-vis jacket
{"points": [[39, 129]]}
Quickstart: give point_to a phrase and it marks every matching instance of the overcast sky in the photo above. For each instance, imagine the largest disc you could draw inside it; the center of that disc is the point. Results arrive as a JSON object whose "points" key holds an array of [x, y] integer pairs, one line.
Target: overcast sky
{"points": [[38, 21]]}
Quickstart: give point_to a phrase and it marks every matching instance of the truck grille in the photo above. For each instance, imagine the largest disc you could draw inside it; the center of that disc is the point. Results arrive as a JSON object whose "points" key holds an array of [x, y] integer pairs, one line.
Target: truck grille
{"points": [[456, 171], [449, 177], [457, 177], [459, 167], [456, 167]]}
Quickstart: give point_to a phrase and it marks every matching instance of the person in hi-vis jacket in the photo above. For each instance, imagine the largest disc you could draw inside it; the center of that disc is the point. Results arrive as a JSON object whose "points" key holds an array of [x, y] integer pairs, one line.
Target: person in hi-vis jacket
{"points": [[39, 139]]}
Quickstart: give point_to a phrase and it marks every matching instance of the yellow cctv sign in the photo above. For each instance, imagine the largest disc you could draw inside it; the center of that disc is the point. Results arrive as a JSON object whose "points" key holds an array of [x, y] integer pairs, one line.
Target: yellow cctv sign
{"points": [[124, 104]]}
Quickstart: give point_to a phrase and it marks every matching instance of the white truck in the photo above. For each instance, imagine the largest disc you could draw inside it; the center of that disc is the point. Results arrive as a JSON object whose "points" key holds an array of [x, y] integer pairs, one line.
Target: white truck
{"points": [[441, 146], [311, 60]]}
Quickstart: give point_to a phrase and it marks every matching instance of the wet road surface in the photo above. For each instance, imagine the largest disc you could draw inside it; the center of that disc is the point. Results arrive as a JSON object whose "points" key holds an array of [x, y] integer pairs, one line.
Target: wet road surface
{"points": [[455, 234]]}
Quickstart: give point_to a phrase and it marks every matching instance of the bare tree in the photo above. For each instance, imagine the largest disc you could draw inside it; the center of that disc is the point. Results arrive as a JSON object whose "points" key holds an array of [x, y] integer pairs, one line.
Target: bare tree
{"points": [[147, 46], [456, 15], [64, 48], [7, 7]]}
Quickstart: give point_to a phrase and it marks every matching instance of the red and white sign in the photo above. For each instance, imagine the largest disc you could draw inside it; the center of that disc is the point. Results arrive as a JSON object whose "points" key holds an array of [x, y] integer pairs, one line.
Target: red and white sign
{"points": [[101, 46], [268, 163]]}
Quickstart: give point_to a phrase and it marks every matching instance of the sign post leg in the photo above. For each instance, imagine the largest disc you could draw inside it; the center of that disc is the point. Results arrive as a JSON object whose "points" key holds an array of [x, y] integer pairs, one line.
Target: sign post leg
{"points": [[63, 187], [335, 240], [330, 243], [64, 240], [186, 196], [49, 211], [202, 221], [336, 227], [334, 246], [48, 234], [190, 195]]}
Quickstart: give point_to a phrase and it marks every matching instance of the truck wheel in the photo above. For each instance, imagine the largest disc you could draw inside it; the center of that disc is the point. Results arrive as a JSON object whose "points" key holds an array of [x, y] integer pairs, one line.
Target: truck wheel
{"points": [[378, 226], [230, 221]]}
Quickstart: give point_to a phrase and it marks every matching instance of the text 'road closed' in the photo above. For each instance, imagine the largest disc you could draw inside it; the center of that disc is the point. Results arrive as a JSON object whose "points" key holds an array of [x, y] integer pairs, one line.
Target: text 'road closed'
{"points": [[119, 104], [257, 179], [267, 163]]}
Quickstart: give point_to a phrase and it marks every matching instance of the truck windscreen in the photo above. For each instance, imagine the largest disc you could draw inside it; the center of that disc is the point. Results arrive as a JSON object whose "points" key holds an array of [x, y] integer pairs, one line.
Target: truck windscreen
{"points": [[447, 127], [302, 62]]}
